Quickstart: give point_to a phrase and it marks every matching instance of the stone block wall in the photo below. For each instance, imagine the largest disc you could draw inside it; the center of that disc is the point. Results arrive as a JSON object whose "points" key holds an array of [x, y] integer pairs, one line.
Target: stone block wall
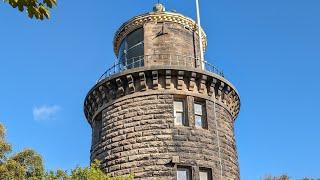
{"points": [[175, 24], [170, 39], [132, 113], [139, 136]]}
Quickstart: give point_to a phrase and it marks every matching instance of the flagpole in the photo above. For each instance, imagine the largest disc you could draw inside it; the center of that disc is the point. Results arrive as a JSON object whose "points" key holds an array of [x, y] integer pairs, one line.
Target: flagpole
{"points": [[199, 33]]}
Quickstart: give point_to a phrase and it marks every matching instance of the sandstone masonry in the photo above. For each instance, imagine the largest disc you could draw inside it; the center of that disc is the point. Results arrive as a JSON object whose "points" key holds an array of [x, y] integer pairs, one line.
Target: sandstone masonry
{"points": [[132, 112]]}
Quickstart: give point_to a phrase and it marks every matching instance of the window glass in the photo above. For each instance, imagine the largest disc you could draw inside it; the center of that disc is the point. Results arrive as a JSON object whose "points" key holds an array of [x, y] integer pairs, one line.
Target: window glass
{"points": [[183, 174], [198, 121], [131, 50], [135, 37], [203, 175], [134, 53], [97, 128], [199, 117], [122, 52], [198, 109], [179, 118], [178, 106]]}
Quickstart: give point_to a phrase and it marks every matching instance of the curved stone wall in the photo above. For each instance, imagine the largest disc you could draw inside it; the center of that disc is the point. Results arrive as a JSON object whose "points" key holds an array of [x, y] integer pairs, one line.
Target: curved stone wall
{"points": [[159, 78], [138, 134], [172, 42], [155, 17]]}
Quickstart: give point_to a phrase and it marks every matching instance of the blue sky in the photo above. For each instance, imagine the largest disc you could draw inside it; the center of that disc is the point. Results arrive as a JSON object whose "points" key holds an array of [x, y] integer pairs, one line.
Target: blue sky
{"points": [[270, 50]]}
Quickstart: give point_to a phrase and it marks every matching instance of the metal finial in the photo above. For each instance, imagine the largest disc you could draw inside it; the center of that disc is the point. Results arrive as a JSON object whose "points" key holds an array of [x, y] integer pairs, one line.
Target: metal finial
{"points": [[159, 7]]}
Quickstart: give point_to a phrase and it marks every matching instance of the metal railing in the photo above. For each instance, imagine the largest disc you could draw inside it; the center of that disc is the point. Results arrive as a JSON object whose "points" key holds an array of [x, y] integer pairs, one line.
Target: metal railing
{"points": [[160, 59]]}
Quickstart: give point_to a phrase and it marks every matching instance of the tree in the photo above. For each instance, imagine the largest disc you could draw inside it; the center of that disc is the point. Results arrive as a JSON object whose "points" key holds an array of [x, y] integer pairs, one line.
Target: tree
{"points": [[34, 8], [5, 148], [270, 177], [284, 177], [307, 178], [31, 163], [89, 173], [28, 164]]}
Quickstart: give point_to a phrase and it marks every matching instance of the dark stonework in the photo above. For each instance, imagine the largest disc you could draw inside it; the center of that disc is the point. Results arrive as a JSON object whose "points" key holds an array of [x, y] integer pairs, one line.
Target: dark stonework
{"points": [[132, 115]]}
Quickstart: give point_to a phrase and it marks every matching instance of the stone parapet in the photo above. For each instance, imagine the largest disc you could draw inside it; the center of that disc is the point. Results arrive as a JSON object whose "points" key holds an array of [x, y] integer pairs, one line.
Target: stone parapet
{"points": [[161, 79]]}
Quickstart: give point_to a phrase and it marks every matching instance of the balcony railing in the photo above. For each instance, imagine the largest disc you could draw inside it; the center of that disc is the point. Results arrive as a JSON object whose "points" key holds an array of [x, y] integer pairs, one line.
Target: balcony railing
{"points": [[160, 59]]}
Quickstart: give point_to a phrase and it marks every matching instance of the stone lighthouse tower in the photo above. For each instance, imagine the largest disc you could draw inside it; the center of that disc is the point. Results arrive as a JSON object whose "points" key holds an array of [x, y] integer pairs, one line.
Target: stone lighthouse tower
{"points": [[160, 111]]}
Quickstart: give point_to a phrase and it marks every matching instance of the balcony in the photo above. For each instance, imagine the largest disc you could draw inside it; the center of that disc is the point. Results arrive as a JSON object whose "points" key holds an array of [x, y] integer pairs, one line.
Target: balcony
{"points": [[160, 59]]}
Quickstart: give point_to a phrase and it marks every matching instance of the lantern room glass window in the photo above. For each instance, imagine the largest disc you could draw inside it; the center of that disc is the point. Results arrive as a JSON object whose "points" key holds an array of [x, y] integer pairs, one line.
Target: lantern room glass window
{"points": [[131, 50]]}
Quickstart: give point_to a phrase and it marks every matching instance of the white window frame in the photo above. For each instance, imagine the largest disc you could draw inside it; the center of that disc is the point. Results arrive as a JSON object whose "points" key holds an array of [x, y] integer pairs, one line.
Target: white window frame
{"points": [[208, 173], [187, 170], [182, 112], [200, 114]]}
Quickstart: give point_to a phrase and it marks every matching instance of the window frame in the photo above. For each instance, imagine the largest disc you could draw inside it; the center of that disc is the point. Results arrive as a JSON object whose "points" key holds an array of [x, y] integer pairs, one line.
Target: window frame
{"points": [[127, 60], [188, 171], [204, 123], [208, 171], [97, 130], [184, 121]]}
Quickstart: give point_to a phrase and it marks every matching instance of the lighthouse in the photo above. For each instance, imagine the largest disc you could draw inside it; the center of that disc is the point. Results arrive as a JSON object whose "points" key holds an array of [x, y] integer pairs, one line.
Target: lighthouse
{"points": [[161, 111]]}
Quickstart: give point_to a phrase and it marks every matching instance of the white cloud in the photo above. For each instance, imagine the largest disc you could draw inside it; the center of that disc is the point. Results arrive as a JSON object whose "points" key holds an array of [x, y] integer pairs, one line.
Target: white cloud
{"points": [[45, 112]]}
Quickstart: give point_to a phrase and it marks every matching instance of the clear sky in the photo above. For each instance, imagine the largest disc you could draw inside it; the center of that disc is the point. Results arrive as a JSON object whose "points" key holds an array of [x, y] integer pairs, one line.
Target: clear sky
{"points": [[270, 50]]}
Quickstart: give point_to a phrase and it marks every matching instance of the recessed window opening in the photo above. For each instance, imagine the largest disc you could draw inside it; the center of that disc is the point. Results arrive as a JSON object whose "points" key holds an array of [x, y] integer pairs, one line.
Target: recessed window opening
{"points": [[199, 113], [97, 129], [205, 174], [179, 113]]}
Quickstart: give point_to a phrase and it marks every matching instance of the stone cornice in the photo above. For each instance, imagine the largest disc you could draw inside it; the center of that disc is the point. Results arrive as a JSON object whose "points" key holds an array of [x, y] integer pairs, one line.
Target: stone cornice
{"points": [[144, 81], [139, 21]]}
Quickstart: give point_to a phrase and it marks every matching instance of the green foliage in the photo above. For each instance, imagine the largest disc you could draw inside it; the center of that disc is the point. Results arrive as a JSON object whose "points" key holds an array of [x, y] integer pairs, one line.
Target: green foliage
{"points": [[28, 164], [11, 170], [5, 148], [282, 177], [34, 8], [31, 163], [89, 173]]}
